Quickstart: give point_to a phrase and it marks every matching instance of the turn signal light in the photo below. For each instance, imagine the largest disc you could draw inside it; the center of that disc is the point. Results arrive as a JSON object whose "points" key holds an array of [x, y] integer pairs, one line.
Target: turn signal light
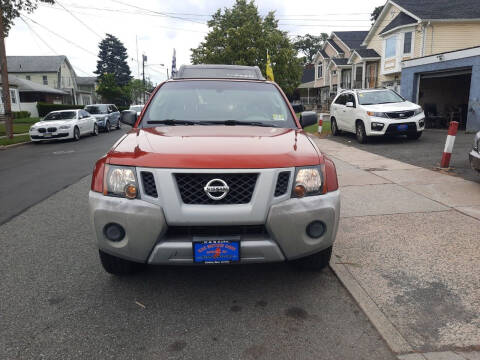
{"points": [[299, 191], [131, 191]]}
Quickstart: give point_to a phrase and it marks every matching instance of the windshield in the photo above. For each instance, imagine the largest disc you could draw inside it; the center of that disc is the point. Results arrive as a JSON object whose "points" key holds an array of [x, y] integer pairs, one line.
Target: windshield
{"points": [[136, 108], [379, 97], [64, 115], [93, 109], [217, 101]]}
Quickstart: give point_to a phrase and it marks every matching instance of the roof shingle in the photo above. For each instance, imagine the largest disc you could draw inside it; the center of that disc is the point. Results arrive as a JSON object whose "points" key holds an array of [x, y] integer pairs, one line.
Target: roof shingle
{"points": [[353, 39], [442, 9], [367, 53], [25, 64], [335, 46], [399, 20]]}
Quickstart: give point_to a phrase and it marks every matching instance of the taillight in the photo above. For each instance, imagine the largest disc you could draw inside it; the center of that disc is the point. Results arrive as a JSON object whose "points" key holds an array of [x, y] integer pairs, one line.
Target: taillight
{"points": [[330, 175], [98, 174]]}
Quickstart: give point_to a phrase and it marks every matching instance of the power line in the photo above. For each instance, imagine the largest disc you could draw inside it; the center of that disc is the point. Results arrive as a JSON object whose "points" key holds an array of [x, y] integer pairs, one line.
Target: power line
{"points": [[80, 21]]}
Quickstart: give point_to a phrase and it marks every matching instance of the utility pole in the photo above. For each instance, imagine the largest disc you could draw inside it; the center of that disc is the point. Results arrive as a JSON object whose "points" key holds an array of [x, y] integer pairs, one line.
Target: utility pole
{"points": [[144, 58], [5, 87]]}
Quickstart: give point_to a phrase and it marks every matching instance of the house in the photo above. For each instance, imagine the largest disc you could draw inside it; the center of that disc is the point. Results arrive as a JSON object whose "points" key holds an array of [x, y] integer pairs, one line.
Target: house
{"points": [[306, 89], [86, 92], [429, 53], [24, 95], [52, 71]]}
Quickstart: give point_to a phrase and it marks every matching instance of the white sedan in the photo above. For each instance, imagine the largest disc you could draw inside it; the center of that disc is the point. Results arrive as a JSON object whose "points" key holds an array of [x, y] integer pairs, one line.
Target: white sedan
{"points": [[64, 124]]}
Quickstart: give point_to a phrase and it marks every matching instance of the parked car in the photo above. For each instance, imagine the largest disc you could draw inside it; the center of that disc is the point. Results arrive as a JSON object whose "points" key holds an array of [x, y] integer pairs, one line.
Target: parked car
{"points": [[217, 170], [375, 112], [137, 108], [474, 155], [64, 124], [107, 115]]}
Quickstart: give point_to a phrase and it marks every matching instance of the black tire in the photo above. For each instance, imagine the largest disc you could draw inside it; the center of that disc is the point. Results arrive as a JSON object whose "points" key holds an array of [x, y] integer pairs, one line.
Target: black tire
{"points": [[334, 127], [116, 266], [360, 132], [76, 134], [107, 126], [414, 136], [95, 130], [118, 125], [316, 261]]}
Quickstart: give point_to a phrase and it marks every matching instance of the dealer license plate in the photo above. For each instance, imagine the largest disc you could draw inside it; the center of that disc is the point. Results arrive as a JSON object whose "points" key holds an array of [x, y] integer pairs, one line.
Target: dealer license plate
{"points": [[402, 127], [216, 251]]}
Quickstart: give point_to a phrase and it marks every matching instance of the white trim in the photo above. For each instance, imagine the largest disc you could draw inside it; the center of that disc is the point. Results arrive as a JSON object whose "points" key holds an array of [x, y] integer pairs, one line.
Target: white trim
{"points": [[413, 26], [454, 55], [348, 47], [327, 42], [406, 11], [412, 44], [453, 20]]}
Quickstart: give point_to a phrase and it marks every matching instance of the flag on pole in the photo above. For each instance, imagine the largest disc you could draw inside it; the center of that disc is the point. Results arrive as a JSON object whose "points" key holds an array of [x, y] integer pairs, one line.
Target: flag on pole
{"points": [[174, 64], [269, 69]]}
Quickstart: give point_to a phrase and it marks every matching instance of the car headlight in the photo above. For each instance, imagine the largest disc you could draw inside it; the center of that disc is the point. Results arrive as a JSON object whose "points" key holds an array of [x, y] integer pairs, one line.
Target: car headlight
{"points": [[120, 181], [417, 111], [33, 128], [63, 127], [377, 114], [308, 181]]}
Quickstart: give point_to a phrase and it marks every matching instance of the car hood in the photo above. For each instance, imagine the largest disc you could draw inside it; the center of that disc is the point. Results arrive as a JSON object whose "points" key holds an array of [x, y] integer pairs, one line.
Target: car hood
{"points": [[221, 147], [55, 123], [401, 106]]}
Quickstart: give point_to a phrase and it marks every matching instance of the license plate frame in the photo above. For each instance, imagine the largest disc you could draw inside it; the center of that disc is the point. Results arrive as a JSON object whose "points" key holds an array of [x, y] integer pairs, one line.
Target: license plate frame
{"points": [[205, 250]]}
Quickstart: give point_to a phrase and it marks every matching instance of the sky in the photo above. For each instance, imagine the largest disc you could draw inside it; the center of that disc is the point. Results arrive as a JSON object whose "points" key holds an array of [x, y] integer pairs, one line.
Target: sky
{"points": [[155, 27]]}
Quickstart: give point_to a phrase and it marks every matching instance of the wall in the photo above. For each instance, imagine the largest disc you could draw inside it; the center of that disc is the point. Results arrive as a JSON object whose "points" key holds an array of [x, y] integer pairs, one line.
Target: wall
{"points": [[331, 52], [38, 78], [411, 77], [31, 107], [345, 49], [446, 36], [67, 77], [14, 105]]}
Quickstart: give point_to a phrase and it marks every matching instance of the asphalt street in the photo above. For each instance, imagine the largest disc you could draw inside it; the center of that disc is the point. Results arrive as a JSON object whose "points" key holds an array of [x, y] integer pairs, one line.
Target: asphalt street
{"points": [[33, 172], [56, 302], [425, 152]]}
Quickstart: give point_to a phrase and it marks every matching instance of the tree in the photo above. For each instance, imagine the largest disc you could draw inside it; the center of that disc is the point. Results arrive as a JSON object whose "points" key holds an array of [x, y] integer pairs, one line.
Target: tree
{"points": [[109, 90], [135, 89], [308, 45], [9, 10], [376, 13], [240, 36], [112, 59]]}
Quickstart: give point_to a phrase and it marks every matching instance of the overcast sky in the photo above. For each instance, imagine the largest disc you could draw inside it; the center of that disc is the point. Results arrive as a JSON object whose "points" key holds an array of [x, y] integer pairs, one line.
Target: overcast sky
{"points": [[160, 26]]}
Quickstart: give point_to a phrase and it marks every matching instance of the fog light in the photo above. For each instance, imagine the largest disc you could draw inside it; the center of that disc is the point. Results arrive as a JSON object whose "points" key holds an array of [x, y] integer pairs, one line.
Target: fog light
{"points": [[114, 232], [316, 229], [377, 126], [421, 123]]}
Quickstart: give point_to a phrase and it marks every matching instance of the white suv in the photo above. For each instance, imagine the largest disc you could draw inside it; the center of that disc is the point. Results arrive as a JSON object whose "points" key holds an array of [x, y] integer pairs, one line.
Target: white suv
{"points": [[375, 112]]}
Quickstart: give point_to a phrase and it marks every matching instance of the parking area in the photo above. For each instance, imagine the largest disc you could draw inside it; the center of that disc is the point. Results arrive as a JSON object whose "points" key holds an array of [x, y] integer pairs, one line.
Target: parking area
{"points": [[425, 152]]}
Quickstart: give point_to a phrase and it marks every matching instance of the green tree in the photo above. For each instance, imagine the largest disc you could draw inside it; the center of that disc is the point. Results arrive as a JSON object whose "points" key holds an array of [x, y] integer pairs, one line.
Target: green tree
{"points": [[240, 36], [376, 13], [109, 90], [10, 9], [308, 45], [135, 89], [112, 59]]}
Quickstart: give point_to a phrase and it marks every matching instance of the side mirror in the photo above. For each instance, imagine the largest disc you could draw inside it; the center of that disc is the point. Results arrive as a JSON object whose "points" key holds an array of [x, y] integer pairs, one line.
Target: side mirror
{"points": [[308, 118], [349, 104], [128, 117]]}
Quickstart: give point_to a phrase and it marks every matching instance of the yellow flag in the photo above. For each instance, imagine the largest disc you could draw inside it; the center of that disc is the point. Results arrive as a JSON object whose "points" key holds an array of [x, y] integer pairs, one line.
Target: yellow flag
{"points": [[269, 69]]}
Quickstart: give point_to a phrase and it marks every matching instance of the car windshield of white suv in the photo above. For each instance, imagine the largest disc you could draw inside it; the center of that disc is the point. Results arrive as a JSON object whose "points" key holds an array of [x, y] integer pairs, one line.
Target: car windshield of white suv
{"points": [[214, 102], [96, 109], [64, 115], [379, 97]]}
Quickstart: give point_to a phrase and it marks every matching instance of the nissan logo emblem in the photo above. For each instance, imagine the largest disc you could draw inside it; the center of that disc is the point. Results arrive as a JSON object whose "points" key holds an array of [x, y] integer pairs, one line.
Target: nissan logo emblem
{"points": [[217, 187]]}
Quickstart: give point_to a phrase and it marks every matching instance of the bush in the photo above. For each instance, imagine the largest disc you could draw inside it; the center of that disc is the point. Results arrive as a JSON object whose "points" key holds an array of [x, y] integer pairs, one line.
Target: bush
{"points": [[121, 108], [44, 108], [20, 114]]}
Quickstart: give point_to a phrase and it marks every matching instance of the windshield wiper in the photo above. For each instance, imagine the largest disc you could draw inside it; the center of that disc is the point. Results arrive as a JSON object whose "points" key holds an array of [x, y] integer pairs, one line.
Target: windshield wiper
{"points": [[237, 122], [172, 122]]}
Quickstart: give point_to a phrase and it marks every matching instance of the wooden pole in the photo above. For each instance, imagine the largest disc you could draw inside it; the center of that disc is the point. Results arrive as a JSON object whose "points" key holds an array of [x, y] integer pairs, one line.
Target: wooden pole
{"points": [[5, 87]]}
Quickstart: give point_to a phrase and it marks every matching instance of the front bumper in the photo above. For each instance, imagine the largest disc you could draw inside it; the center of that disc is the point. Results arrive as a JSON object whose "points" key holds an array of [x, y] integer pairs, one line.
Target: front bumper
{"points": [[474, 158], [391, 126], [63, 134], [147, 240]]}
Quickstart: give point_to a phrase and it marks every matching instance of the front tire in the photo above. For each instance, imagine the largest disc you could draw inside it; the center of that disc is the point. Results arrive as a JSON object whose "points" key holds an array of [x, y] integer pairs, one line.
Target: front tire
{"points": [[76, 134], [316, 261], [334, 127], [360, 132], [95, 130], [414, 136], [107, 126], [118, 125], [117, 266]]}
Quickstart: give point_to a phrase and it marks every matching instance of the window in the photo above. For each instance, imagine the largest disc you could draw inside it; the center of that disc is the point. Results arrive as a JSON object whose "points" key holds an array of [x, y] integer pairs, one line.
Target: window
{"points": [[320, 70], [407, 43], [334, 72], [45, 80], [341, 100], [350, 98], [13, 96], [379, 97], [391, 47], [27, 77]]}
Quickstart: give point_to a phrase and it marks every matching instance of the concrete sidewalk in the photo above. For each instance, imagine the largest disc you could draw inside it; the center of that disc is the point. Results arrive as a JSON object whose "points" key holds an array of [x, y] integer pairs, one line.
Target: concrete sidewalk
{"points": [[408, 251]]}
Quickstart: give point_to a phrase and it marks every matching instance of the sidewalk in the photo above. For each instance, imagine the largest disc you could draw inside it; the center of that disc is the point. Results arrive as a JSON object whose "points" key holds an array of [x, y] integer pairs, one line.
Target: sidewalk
{"points": [[408, 251]]}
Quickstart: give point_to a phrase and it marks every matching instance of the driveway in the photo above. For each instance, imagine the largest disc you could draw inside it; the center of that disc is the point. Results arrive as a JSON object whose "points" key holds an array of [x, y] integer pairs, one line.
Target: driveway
{"points": [[425, 152]]}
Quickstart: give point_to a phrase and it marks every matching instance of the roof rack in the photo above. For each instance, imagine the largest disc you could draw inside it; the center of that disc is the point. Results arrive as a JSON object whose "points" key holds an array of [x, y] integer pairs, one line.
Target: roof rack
{"points": [[219, 72]]}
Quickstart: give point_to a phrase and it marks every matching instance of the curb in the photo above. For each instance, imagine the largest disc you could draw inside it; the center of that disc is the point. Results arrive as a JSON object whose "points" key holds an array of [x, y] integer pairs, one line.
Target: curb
{"points": [[5, 147]]}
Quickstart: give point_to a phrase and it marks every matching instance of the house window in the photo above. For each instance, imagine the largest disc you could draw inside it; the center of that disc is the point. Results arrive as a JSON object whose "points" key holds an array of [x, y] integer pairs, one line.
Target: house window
{"points": [[320, 70], [13, 96], [45, 80], [391, 47], [407, 43], [27, 77], [334, 72]]}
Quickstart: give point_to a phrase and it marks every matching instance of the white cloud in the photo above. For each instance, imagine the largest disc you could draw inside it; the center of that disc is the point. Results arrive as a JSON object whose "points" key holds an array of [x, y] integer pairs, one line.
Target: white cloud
{"points": [[157, 35]]}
